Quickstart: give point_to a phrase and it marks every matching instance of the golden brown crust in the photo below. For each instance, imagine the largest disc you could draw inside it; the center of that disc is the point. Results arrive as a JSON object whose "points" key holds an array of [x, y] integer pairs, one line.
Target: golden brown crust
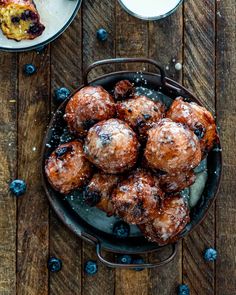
{"points": [[172, 147], [20, 19], [137, 198], [198, 119], [172, 183], [170, 220], [112, 146], [67, 168], [87, 107], [101, 186], [123, 89], [141, 113]]}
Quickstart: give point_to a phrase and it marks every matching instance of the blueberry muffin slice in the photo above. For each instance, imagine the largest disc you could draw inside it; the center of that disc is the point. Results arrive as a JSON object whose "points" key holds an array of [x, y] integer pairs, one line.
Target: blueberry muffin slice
{"points": [[20, 20]]}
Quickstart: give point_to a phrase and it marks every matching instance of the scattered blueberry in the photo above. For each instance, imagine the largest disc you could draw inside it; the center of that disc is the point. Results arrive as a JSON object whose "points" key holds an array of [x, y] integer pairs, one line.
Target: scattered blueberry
{"points": [[61, 94], [91, 267], [54, 264], [183, 290], [124, 259], [102, 34], [121, 229], [29, 69], [138, 260], [18, 187], [91, 198], [40, 49], [210, 254]]}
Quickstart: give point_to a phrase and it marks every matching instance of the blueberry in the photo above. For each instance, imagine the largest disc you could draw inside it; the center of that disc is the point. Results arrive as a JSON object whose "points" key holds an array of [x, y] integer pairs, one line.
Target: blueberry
{"points": [[210, 254], [29, 69], [18, 187], [105, 138], [54, 264], [61, 94], [15, 19], [183, 290], [138, 260], [35, 29], [60, 152], [91, 267], [147, 116], [121, 230], [124, 259], [91, 198], [102, 34], [40, 49]]}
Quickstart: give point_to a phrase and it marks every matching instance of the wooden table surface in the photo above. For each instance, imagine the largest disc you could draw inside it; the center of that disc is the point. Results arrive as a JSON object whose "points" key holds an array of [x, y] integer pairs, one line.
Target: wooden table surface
{"points": [[202, 36]]}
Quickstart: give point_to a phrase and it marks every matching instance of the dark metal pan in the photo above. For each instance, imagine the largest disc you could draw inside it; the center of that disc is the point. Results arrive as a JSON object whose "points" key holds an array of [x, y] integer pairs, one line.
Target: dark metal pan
{"points": [[92, 230]]}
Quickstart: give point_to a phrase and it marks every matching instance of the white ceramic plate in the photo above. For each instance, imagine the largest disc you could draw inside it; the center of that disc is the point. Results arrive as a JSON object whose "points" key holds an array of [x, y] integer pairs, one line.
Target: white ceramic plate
{"points": [[56, 15]]}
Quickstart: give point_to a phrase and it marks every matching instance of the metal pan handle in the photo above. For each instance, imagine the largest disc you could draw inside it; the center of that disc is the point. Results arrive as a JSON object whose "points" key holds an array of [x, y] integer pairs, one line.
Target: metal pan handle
{"points": [[123, 60], [97, 243]]}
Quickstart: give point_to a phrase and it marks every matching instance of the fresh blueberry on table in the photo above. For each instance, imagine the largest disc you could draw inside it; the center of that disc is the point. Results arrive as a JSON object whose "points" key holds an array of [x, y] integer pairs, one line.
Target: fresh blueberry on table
{"points": [[102, 34], [54, 264], [91, 267], [18, 187], [29, 69], [124, 259], [121, 230], [61, 94], [138, 260], [210, 254], [183, 290]]}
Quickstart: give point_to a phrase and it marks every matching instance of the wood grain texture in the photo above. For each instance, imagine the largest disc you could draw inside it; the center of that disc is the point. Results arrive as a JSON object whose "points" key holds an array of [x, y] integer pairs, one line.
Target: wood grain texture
{"points": [[32, 236], [199, 77], [8, 172], [166, 47], [97, 14], [226, 114], [66, 72]]}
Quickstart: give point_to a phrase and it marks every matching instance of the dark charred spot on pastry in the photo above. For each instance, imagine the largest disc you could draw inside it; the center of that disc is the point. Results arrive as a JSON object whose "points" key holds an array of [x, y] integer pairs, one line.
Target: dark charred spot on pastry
{"points": [[29, 15], [36, 29], [105, 138], [89, 123], [15, 19], [130, 110], [199, 131], [60, 152], [91, 198], [147, 116]]}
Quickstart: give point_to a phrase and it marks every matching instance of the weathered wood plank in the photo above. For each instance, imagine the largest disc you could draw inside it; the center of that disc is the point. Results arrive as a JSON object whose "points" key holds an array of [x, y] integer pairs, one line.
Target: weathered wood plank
{"points": [[33, 230], [166, 47], [226, 114], [131, 41], [8, 172], [97, 14], [199, 77], [66, 72]]}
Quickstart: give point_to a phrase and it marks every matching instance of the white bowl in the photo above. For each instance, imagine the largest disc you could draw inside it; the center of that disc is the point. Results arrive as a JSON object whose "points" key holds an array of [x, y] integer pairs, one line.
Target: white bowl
{"points": [[56, 15]]}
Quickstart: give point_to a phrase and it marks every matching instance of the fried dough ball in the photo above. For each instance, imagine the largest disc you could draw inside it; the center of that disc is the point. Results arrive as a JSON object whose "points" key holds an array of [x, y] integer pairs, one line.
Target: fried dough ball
{"points": [[172, 183], [170, 220], [98, 192], [141, 113], [137, 198], [88, 106], [112, 146], [172, 147], [123, 89], [198, 119], [67, 168]]}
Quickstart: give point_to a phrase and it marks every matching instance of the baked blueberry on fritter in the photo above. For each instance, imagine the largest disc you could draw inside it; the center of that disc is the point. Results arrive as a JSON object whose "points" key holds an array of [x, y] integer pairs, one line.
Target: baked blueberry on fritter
{"points": [[198, 119], [112, 146], [67, 168], [172, 147], [137, 198], [140, 113], [87, 107]]}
